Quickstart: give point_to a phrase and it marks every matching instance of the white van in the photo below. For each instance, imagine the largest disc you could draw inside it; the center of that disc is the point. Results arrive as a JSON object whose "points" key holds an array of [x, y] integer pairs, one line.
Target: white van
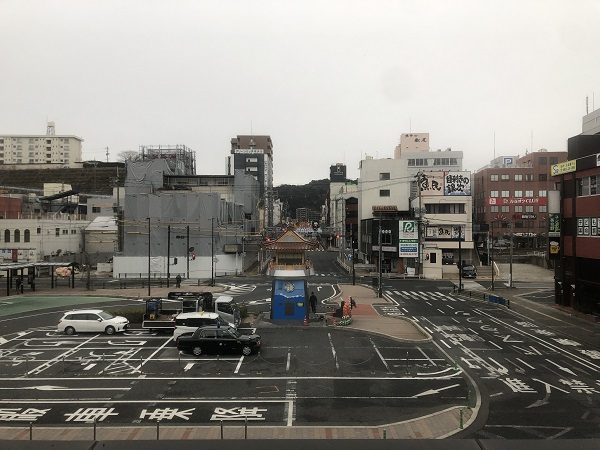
{"points": [[187, 323], [228, 310]]}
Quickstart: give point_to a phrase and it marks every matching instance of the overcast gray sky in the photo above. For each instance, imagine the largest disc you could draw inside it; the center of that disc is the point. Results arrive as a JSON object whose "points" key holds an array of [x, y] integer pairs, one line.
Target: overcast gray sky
{"points": [[328, 80]]}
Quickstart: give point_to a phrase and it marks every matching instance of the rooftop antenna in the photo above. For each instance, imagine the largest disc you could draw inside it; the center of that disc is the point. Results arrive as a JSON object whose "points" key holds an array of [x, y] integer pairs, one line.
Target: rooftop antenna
{"points": [[410, 125], [251, 131], [531, 142], [106, 154], [587, 105]]}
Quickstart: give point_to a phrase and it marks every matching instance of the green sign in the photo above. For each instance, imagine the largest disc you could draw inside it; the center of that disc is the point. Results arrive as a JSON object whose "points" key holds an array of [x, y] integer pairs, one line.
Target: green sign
{"points": [[554, 225]]}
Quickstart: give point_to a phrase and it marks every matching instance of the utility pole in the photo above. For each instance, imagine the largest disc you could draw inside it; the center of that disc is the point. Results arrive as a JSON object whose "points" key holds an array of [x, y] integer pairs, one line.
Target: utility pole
{"points": [[510, 282], [187, 245], [419, 251], [379, 289], [353, 270], [460, 264], [212, 251], [168, 254], [149, 257], [492, 253]]}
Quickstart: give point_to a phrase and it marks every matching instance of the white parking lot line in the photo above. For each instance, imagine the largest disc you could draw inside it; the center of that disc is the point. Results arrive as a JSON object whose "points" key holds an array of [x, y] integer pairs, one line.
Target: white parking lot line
{"points": [[239, 364]]}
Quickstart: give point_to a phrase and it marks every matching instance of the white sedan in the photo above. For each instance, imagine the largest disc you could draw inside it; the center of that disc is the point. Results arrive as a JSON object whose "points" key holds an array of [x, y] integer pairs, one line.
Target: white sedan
{"points": [[91, 320]]}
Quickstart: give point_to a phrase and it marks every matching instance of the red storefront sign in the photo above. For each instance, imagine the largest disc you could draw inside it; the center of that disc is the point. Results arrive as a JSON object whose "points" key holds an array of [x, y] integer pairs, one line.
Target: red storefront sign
{"points": [[517, 201]]}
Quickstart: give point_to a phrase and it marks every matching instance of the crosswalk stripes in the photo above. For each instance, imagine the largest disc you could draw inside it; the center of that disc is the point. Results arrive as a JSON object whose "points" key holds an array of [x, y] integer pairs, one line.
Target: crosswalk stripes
{"points": [[239, 289], [425, 296]]}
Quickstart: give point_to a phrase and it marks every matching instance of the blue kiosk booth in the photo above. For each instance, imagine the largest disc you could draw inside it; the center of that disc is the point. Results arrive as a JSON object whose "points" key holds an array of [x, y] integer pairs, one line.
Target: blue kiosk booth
{"points": [[289, 297]]}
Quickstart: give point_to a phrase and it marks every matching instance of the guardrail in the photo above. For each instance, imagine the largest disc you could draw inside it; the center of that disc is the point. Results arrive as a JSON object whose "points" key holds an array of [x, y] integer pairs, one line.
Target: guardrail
{"points": [[491, 298]]}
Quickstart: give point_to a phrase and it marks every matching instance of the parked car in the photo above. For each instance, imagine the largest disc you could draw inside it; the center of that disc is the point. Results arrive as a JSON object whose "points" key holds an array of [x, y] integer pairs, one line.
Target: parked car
{"points": [[187, 323], [91, 320], [469, 271], [218, 340]]}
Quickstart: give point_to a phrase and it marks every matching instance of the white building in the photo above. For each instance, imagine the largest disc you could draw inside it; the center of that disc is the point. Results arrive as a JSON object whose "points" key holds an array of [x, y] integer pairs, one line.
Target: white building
{"points": [[340, 194], [43, 151], [591, 123], [30, 240], [446, 204]]}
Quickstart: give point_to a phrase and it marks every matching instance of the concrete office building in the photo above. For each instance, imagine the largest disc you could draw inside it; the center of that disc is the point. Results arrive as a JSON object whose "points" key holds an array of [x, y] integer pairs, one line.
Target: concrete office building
{"points": [[254, 155], [27, 151], [385, 189], [342, 208]]}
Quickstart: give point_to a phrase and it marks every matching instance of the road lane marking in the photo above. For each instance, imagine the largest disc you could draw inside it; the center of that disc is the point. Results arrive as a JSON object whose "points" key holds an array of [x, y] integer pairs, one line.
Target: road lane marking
{"points": [[441, 311], [289, 356], [528, 365], [564, 369], [380, 356], [444, 342], [428, 330], [239, 364], [427, 356], [337, 366]]}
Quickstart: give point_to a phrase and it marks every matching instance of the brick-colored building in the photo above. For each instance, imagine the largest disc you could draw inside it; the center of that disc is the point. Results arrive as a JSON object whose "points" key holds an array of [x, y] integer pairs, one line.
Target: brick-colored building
{"points": [[577, 273], [515, 190]]}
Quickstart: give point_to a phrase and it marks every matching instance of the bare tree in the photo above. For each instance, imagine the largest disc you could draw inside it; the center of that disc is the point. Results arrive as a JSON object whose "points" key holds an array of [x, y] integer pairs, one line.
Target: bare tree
{"points": [[128, 155]]}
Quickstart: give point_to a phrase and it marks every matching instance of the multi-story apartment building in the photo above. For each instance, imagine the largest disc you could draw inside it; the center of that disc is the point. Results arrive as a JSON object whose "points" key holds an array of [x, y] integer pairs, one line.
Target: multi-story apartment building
{"points": [[514, 192], [254, 155], [43, 151]]}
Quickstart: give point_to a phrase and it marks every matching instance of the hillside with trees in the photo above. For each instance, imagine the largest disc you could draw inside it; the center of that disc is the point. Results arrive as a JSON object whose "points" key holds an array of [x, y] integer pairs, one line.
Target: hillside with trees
{"points": [[312, 195]]}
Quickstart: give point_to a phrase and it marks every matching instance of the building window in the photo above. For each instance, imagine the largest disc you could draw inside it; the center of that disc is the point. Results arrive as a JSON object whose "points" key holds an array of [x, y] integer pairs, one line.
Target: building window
{"points": [[588, 185], [543, 208], [553, 160], [57, 231], [505, 194], [493, 194], [518, 194], [73, 231], [493, 177], [529, 208], [528, 193], [27, 236], [445, 208], [493, 209], [65, 231], [386, 238], [528, 177], [518, 208], [39, 230], [384, 192], [505, 177], [543, 193], [96, 209], [384, 176], [453, 162], [542, 160], [6, 235], [17, 235], [542, 177], [506, 208]]}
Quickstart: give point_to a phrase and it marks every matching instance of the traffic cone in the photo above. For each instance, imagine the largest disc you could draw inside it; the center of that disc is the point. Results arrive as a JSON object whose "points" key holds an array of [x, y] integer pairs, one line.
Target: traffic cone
{"points": [[305, 321]]}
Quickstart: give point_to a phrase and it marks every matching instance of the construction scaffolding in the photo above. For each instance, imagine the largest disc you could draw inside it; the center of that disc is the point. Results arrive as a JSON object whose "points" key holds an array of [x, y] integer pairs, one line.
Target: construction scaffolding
{"points": [[180, 159]]}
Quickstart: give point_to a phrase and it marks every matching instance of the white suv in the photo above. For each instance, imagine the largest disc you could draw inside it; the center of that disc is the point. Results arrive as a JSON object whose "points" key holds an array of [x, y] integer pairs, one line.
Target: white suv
{"points": [[92, 320]]}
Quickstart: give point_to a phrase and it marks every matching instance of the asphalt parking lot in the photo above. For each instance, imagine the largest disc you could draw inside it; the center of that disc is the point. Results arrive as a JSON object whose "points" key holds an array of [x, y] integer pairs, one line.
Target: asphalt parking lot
{"points": [[300, 376]]}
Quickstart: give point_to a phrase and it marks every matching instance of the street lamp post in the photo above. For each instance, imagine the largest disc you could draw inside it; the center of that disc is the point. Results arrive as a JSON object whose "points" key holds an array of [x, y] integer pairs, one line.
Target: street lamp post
{"points": [[379, 287], [149, 256], [460, 264], [168, 254], [353, 270], [510, 282], [212, 251], [492, 254]]}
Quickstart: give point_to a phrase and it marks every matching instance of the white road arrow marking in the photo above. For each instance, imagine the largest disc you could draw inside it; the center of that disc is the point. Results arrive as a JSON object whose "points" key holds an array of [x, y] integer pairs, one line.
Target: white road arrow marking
{"points": [[564, 369], [501, 369], [318, 288], [64, 388], [508, 339], [488, 328], [2, 340], [435, 391], [127, 342], [188, 366]]}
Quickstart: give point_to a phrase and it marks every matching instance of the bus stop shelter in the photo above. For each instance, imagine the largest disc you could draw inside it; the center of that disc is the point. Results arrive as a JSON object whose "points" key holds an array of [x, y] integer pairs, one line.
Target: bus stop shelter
{"points": [[17, 269]]}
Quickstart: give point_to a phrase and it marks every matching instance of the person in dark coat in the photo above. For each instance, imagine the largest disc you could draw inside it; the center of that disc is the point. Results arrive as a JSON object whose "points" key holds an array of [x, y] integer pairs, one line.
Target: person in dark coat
{"points": [[178, 281], [313, 302]]}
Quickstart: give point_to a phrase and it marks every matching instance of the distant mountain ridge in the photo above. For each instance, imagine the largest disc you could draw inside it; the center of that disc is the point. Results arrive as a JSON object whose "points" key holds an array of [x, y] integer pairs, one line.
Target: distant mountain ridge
{"points": [[312, 195]]}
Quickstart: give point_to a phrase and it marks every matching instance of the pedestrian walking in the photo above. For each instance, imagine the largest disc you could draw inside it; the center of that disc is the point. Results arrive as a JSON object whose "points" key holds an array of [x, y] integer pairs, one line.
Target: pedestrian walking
{"points": [[178, 281], [313, 302]]}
